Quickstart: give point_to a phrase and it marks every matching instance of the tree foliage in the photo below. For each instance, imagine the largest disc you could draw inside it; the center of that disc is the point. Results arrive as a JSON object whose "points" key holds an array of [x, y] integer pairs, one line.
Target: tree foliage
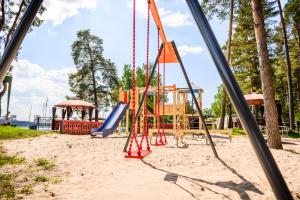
{"points": [[10, 16], [244, 62], [95, 79], [217, 103], [126, 79], [11, 13]]}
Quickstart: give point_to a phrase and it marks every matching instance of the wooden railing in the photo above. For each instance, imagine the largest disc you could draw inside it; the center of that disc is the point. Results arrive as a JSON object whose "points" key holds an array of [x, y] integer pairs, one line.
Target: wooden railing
{"points": [[78, 127], [167, 126]]}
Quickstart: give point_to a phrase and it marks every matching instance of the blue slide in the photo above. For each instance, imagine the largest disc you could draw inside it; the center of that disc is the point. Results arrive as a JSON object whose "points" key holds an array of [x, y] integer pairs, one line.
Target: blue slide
{"points": [[112, 121]]}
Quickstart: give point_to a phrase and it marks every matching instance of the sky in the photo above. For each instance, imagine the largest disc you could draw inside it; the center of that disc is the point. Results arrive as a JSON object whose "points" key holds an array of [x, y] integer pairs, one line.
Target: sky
{"points": [[41, 71]]}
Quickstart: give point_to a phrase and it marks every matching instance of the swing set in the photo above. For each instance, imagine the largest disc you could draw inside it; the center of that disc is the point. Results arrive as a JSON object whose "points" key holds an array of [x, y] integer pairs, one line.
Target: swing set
{"points": [[168, 53]]}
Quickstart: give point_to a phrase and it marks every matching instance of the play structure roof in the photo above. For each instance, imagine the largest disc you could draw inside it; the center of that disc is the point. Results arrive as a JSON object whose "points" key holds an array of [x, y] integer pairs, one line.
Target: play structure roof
{"points": [[77, 104], [195, 87], [254, 99]]}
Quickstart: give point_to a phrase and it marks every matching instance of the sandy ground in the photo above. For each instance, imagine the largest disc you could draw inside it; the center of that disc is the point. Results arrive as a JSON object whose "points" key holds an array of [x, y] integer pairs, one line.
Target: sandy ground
{"points": [[96, 169]]}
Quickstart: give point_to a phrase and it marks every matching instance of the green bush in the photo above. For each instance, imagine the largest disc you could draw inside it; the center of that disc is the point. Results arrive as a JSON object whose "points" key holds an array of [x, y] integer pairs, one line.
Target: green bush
{"points": [[292, 134]]}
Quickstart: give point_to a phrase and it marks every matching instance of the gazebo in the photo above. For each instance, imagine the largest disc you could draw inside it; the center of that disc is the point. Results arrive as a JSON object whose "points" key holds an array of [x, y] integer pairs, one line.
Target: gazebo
{"points": [[75, 127], [256, 100]]}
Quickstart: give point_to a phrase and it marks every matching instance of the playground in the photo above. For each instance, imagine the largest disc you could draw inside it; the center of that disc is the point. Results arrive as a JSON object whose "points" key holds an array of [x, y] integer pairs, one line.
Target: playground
{"points": [[97, 168], [154, 140]]}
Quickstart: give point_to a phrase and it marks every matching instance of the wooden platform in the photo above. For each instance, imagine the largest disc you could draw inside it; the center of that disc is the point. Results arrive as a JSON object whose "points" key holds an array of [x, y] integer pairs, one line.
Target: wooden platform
{"points": [[178, 133]]}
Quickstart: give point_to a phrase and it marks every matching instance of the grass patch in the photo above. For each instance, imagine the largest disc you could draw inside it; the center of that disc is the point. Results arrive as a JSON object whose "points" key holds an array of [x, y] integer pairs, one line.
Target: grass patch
{"points": [[44, 163], [56, 180], [7, 187], [27, 190], [10, 160], [41, 179], [238, 132], [8, 132], [241, 132]]}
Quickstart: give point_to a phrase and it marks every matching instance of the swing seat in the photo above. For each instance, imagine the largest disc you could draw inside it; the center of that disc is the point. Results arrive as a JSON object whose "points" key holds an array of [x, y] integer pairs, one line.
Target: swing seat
{"points": [[134, 154]]}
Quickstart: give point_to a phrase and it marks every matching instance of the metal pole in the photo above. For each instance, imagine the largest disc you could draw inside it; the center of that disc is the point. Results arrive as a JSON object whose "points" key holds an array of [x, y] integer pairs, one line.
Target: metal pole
{"points": [[262, 151], [14, 44], [194, 99], [144, 94]]}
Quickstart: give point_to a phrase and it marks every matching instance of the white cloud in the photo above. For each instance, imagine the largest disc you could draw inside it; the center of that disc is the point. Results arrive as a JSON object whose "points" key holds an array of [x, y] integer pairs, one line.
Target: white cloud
{"points": [[32, 84], [174, 19], [185, 50], [140, 6], [58, 10], [169, 18], [52, 33]]}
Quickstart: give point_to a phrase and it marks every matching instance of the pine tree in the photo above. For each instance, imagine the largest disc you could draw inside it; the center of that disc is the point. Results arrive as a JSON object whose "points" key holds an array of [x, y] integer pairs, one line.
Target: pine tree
{"points": [[292, 15], [266, 74], [223, 10], [95, 78], [288, 67]]}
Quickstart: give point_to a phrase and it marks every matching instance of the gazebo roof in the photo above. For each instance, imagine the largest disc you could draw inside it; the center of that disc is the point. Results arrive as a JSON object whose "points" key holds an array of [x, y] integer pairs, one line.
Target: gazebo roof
{"points": [[77, 104], [254, 99]]}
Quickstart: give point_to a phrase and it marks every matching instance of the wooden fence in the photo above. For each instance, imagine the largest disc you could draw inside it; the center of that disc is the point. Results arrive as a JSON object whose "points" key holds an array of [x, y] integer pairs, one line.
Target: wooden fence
{"points": [[73, 127]]}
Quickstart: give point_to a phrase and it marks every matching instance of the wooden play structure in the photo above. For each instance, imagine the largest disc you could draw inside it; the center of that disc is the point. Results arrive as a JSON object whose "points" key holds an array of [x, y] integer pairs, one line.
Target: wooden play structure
{"points": [[174, 114]]}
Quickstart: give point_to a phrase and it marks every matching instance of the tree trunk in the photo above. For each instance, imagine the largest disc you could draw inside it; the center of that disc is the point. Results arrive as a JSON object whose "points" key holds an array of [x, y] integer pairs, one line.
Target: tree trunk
{"points": [[223, 109], [298, 69], [13, 27], [2, 21], [223, 106], [94, 83], [0, 106], [298, 85], [288, 68], [298, 34], [274, 138]]}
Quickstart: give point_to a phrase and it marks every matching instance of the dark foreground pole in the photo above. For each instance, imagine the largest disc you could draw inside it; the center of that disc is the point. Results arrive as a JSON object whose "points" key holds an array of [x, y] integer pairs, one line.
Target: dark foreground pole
{"points": [[144, 94], [14, 44], [237, 98], [194, 98]]}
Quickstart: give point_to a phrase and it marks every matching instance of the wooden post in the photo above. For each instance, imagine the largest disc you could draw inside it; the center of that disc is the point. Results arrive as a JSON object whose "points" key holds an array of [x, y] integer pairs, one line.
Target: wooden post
{"points": [[200, 105], [127, 121], [174, 108], [154, 110], [120, 127], [137, 106]]}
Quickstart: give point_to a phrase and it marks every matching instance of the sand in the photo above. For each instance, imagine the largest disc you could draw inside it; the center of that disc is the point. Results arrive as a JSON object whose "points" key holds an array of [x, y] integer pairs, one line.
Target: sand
{"points": [[96, 169]]}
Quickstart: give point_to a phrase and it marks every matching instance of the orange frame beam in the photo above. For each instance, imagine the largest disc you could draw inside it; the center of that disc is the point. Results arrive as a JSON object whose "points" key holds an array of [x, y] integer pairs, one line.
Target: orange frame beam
{"points": [[168, 54]]}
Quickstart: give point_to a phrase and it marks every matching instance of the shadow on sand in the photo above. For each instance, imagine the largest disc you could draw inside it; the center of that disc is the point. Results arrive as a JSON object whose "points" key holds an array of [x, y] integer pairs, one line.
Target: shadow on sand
{"points": [[110, 137], [241, 188]]}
